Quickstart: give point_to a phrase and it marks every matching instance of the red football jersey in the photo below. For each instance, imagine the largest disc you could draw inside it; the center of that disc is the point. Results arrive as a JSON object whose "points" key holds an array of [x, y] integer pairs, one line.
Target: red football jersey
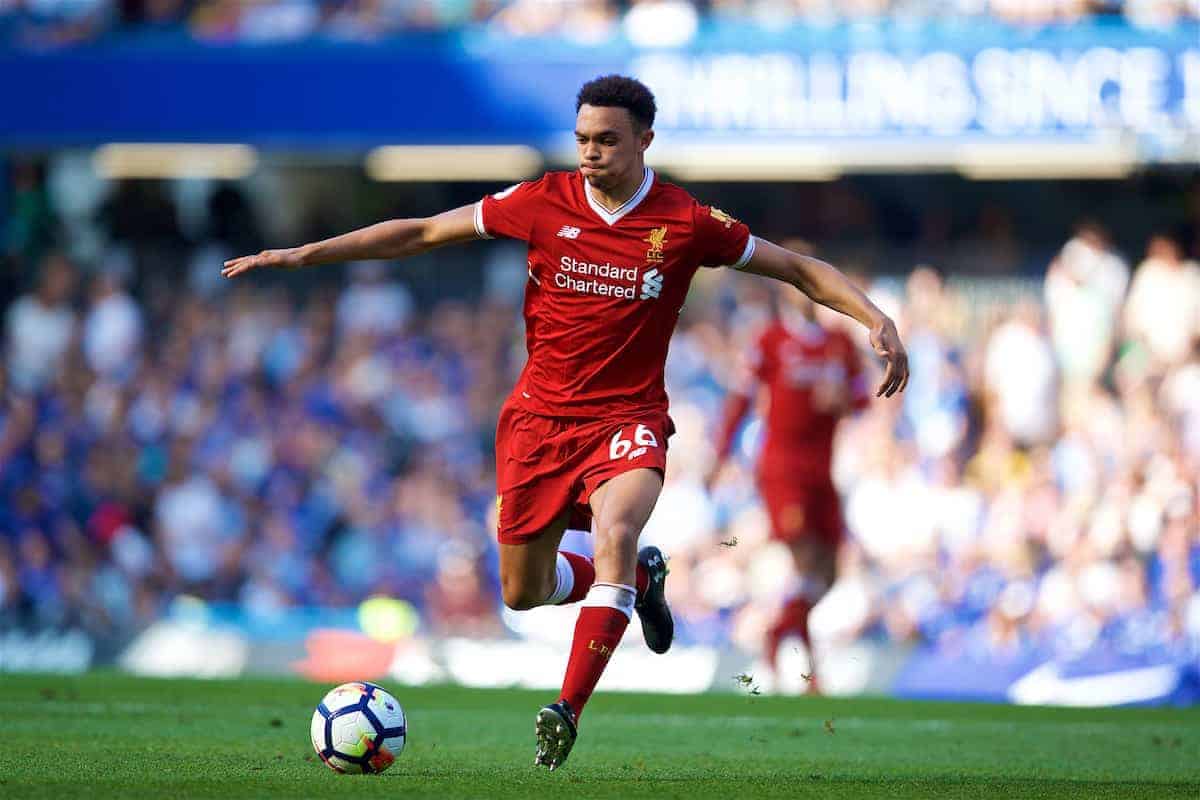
{"points": [[812, 376], [605, 288]]}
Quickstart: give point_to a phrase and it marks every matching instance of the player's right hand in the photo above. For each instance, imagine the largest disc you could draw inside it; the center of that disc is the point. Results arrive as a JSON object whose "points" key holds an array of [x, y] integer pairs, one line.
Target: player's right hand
{"points": [[887, 345], [289, 258]]}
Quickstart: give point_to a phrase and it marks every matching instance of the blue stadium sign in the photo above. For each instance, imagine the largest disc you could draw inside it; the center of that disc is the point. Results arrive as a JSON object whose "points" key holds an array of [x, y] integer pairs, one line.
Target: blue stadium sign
{"points": [[919, 86]]}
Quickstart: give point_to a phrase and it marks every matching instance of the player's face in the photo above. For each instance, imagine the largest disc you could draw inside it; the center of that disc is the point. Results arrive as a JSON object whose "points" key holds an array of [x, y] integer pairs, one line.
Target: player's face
{"points": [[610, 147]]}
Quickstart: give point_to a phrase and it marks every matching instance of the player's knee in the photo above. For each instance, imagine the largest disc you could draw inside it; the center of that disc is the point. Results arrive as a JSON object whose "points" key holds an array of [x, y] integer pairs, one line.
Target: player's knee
{"points": [[619, 534]]}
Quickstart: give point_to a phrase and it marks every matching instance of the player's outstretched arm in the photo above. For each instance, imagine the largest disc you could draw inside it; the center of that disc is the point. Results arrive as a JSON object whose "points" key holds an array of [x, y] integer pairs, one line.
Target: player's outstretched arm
{"points": [[829, 287], [396, 238]]}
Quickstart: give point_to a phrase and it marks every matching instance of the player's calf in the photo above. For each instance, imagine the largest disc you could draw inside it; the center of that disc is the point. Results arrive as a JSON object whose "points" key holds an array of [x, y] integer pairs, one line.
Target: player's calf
{"points": [[521, 594], [602, 621], [569, 582]]}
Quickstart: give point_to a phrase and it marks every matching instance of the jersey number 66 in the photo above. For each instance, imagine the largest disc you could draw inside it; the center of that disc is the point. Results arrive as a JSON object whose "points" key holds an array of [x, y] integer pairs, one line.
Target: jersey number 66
{"points": [[643, 437]]}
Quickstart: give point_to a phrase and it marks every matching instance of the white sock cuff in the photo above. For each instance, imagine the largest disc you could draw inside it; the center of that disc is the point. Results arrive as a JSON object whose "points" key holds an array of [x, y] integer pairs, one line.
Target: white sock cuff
{"points": [[564, 581], [612, 595]]}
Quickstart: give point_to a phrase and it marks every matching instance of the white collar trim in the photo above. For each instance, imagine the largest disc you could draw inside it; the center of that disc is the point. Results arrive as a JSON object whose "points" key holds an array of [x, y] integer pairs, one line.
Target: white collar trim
{"points": [[612, 217]]}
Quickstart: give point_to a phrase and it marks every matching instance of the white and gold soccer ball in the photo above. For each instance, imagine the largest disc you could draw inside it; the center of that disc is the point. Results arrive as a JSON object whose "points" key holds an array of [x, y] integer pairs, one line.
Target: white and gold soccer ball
{"points": [[359, 728]]}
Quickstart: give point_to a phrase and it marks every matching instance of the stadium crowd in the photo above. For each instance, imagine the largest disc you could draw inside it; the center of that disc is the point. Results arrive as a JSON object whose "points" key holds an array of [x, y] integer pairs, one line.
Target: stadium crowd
{"points": [[1036, 486], [51, 23]]}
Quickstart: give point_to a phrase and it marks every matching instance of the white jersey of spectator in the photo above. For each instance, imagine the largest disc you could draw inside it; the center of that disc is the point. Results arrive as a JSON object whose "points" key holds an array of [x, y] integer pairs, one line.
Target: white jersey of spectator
{"points": [[1179, 393], [1020, 372], [38, 337], [112, 331], [1084, 289], [1163, 312], [193, 528]]}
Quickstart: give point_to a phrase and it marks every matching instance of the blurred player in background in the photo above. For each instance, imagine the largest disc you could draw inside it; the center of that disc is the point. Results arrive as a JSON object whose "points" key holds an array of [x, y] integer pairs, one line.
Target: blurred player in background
{"points": [[612, 251], [805, 377]]}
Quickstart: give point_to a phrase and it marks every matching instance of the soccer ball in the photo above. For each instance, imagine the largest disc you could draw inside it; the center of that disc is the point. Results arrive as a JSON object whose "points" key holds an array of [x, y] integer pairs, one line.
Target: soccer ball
{"points": [[358, 727]]}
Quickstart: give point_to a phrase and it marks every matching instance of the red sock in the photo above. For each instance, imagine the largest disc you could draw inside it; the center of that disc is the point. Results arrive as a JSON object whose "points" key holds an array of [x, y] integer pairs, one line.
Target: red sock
{"points": [[793, 618], [585, 576], [584, 570], [597, 633]]}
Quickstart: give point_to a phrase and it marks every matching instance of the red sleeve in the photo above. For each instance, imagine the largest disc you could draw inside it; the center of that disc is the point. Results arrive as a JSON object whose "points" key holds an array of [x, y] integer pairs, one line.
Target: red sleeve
{"points": [[731, 419], [719, 239], [742, 397], [510, 213]]}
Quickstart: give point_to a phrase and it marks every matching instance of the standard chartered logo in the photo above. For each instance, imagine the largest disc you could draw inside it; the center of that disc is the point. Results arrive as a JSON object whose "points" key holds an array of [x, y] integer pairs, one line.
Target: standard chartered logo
{"points": [[607, 280], [651, 284]]}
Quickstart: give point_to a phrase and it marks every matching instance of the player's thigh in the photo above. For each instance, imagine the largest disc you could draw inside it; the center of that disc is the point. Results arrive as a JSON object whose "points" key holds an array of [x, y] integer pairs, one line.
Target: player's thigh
{"points": [[805, 516], [626, 500], [534, 493], [825, 513], [624, 473], [621, 506], [786, 509]]}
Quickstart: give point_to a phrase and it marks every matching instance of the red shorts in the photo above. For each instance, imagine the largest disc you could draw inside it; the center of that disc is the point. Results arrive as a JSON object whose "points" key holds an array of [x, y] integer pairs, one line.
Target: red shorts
{"points": [[800, 510], [545, 465]]}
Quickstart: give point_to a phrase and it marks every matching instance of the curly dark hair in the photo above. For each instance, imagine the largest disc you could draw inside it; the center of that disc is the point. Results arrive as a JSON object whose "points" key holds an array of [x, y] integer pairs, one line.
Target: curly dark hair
{"points": [[621, 92]]}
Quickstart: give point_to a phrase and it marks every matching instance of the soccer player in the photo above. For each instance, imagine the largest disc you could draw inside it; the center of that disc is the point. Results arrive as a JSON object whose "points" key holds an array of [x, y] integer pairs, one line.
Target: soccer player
{"points": [[810, 377], [612, 249]]}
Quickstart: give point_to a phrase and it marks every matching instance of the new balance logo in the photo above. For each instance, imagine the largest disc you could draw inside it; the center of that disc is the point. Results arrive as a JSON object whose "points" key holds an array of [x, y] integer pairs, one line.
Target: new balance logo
{"points": [[651, 284], [568, 232]]}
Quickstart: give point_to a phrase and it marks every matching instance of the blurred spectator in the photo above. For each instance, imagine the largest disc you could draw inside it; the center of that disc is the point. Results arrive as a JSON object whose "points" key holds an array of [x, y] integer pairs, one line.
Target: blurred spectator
{"points": [[661, 23], [275, 22], [1163, 311], [40, 326], [457, 600], [935, 402], [371, 304], [112, 330], [1085, 286], [197, 528], [586, 21], [216, 20], [29, 228], [1021, 375], [649, 23], [151, 14], [57, 23]]}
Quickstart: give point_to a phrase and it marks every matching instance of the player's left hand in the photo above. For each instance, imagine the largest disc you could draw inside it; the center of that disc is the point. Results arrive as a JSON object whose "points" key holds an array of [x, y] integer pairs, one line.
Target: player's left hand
{"points": [[887, 345], [278, 259]]}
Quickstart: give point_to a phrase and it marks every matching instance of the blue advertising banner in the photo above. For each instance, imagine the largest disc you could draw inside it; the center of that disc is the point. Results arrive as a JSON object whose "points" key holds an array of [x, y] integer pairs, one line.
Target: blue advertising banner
{"points": [[913, 84]]}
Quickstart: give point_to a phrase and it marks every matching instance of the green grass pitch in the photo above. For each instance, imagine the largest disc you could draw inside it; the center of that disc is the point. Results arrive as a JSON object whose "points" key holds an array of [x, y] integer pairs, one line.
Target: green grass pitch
{"points": [[107, 735]]}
